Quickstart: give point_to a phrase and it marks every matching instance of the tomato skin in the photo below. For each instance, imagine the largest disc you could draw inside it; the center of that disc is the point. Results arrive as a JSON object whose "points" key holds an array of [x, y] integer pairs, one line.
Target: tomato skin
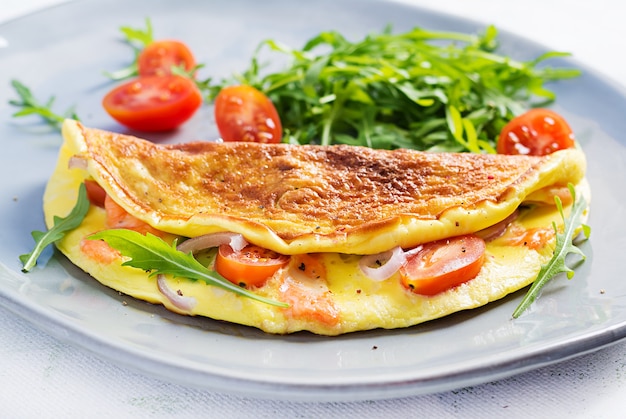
{"points": [[158, 58], [251, 266], [153, 103], [443, 264], [243, 113], [537, 132]]}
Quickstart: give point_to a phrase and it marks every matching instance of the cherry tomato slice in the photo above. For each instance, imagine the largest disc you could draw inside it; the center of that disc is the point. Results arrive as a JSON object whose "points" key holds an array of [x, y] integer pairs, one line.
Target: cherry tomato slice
{"points": [[537, 132], [443, 264], [243, 113], [251, 266], [158, 58], [154, 103]]}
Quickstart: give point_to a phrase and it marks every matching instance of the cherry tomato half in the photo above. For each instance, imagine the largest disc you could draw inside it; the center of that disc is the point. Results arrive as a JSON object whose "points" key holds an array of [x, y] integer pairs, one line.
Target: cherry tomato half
{"points": [[243, 113], [158, 58], [251, 266], [443, 264], [154, 103], [537, 132]]}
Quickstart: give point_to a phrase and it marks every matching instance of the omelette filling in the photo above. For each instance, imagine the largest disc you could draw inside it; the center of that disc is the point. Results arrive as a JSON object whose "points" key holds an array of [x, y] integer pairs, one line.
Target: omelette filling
{"points": [[428, 269]]}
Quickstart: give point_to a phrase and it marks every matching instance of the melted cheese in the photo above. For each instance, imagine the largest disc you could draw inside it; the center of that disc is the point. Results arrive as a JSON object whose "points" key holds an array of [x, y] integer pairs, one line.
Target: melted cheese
{"points": [[346, 301]]}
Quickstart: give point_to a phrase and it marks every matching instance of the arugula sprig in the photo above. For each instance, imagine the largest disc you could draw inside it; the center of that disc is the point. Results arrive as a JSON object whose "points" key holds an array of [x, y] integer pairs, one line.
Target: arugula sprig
{"points": [[564, 246], [61, 226], [155, 256], [427, 90], [137, 39], [29, 105]]}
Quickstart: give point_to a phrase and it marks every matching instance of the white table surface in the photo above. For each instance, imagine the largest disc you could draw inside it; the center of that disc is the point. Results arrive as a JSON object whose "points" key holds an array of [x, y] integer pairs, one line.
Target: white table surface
{"points": [[43, 377]]}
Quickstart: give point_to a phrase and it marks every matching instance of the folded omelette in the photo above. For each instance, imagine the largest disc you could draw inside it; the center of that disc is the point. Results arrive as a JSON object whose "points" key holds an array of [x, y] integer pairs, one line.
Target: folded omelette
{"points": [[336, 204]]}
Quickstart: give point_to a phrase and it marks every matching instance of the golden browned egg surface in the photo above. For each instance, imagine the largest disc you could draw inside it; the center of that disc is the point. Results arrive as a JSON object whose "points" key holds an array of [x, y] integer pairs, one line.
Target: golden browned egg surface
{"points": [[312, 198]]}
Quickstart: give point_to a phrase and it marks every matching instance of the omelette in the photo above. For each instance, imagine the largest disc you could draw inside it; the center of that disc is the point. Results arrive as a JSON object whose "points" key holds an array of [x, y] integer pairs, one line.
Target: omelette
{"points": [[336, 215]]}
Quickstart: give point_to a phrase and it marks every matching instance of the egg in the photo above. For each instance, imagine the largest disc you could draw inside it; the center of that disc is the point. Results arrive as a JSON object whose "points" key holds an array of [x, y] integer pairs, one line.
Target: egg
{"points": [[345, 299]]}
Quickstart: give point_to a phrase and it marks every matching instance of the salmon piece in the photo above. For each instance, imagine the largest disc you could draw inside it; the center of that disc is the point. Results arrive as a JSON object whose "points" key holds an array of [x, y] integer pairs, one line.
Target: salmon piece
{"points": [[304, 288], [116, 217], [99, 250], [533, 238]]}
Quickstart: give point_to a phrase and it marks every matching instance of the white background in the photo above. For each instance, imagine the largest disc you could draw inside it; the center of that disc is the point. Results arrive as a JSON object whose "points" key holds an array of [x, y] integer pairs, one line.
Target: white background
{"points": [[43, 377]]}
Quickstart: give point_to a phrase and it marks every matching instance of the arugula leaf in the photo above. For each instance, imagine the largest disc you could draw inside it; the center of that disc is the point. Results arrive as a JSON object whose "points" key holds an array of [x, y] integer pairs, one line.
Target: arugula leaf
{"points": [[155, 256], [142, 37], [60, 227], [30, 106], [138, 39], [564, 246], [426, 90], [202, 84]]}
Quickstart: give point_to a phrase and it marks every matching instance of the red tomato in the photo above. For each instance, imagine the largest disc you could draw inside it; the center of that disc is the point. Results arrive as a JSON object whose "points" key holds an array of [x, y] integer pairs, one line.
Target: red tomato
{"points": [[95, 193], [243, 113], [537, 132], [158, 58], [443, 264], [154, 103], [251, 266]]}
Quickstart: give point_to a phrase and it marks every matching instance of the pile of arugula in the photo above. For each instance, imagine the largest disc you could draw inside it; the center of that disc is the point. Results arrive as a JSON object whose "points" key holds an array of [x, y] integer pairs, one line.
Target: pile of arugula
{"points": [[424, 90]]}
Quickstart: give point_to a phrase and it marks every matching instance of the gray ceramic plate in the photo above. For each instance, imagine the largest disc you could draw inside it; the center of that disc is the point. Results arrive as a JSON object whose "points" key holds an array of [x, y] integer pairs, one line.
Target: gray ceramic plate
{"points": [[67, 60]]}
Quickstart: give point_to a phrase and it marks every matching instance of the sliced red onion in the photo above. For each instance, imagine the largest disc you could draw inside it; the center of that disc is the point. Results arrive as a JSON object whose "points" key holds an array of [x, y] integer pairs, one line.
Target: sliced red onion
{"points": [[382, 265], [180, 301], [496, 230], [206, 241], [77, 162], [413, 251]]}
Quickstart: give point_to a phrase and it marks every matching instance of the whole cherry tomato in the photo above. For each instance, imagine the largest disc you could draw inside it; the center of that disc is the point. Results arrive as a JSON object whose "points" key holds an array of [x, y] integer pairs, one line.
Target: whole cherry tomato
{"points": [[158, 58]]}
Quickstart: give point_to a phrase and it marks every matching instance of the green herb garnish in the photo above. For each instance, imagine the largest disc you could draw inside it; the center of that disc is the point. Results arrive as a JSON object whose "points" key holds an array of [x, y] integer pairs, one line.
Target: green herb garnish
{"points": [[30, 106], [155, 256], [205, 85], [138, 39], [60, 227], [564, 246], [426, 90]]}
